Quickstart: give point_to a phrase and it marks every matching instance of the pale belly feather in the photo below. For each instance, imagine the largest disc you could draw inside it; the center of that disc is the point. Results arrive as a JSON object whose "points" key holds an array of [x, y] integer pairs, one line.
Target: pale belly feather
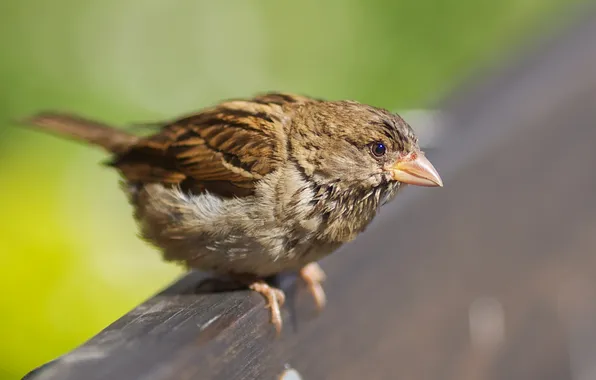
{"points": [[227, 236]]}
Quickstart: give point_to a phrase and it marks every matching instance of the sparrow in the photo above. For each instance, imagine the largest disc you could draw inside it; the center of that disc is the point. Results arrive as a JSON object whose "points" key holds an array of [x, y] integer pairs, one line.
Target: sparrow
{"points": [[250, 188]]}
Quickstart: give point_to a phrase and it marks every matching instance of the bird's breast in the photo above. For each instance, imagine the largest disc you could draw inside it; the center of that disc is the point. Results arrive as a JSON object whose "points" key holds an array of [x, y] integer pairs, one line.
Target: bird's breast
{"points": [[236, 235]]}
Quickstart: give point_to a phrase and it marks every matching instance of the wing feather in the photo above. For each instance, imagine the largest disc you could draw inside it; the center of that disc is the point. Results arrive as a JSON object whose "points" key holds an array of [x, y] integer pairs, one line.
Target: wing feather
{"points": [[225, 149]]}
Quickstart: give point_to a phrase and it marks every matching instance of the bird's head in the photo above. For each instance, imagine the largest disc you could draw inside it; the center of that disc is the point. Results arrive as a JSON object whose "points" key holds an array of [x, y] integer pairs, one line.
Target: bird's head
{"points": [[356, 146]]}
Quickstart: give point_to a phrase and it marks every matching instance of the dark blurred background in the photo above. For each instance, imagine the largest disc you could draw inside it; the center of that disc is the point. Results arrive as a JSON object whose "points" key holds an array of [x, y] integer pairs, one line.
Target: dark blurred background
{"points": [[71, 262]]}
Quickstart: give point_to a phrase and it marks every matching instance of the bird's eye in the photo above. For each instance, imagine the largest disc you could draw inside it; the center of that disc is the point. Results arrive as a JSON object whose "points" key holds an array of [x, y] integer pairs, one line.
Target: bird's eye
{"points": [[378, 149]]}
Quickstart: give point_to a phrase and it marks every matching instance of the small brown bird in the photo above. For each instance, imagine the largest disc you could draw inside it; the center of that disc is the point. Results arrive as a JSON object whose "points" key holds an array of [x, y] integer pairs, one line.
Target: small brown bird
{"points": [[251, 188]]}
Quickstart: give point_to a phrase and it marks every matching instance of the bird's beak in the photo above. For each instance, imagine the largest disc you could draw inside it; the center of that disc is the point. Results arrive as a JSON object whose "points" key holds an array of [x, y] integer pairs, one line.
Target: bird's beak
{"points": [[416, 169]]}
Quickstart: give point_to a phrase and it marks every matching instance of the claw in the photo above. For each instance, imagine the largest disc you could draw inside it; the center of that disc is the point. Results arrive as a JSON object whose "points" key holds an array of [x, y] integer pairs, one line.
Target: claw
{"points": [[313, 275], [275, 299]]}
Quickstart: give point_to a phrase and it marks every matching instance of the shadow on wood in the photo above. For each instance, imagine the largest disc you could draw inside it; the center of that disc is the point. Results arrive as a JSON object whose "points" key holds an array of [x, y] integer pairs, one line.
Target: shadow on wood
{"points": [[492, 277]]}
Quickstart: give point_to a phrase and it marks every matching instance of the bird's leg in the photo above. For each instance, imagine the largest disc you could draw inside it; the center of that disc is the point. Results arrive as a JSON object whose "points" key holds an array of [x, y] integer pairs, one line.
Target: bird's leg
{"points": [[275, 299], [313, 275]]}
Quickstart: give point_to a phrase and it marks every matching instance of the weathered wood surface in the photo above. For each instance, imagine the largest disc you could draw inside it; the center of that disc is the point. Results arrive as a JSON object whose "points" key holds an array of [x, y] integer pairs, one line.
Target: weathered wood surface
{"points": [[492, 277]]}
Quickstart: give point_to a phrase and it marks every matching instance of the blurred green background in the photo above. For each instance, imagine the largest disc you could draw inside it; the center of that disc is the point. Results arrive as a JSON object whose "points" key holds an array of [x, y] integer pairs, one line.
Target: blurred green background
{"points": [[71, 262]]}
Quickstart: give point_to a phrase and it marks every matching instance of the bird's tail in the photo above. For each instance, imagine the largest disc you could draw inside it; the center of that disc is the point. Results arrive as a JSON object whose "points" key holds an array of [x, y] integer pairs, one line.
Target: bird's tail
{"points": [[111, 139]]}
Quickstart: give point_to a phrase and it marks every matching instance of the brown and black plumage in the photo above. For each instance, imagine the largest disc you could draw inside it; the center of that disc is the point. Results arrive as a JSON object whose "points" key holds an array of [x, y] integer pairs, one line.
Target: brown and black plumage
{"points": [[250, 188]]}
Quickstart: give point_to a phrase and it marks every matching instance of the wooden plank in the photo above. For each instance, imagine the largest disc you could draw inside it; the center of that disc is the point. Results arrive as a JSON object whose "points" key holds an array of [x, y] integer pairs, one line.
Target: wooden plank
{"points": [[491, 277]]}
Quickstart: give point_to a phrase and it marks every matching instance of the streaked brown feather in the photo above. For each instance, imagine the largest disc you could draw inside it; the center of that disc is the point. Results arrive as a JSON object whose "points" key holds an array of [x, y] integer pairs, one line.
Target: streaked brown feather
{"points": [[224, 149]]}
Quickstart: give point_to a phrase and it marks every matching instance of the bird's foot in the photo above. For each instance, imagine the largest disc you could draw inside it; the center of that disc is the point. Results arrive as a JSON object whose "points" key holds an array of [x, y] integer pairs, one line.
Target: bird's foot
{"points": [[275, 300], [313, 275]]}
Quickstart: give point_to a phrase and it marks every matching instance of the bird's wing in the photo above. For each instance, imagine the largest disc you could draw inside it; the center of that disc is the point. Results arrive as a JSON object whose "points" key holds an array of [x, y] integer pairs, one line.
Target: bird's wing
{"points": [[225, 149]]}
